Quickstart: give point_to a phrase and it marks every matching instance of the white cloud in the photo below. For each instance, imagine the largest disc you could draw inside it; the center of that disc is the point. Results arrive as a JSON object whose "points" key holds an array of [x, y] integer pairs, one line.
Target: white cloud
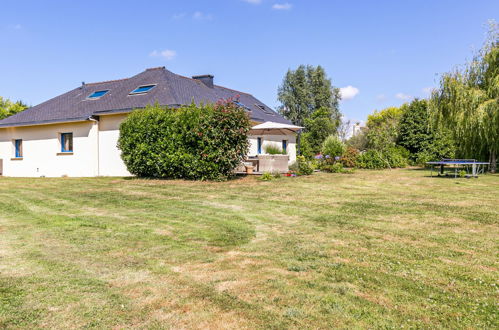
{"points": [[381, 97], [199, 15], [403, 97], [282, 6], [349, 92], [254, 2], [167, 54]]}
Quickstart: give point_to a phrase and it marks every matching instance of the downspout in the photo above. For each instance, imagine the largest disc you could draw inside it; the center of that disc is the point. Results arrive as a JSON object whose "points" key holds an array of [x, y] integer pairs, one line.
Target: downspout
{"points": [[96, 122]]}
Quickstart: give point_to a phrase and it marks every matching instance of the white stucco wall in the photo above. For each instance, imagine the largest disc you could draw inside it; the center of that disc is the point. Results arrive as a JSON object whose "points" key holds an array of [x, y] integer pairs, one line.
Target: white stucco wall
{"points": [[42, 150], [95, 151], [274, 139], [109, 155]]}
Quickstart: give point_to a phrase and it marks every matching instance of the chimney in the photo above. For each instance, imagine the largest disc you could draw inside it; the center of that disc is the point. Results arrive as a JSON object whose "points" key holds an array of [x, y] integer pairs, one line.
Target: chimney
{"points": [[206, 79]]}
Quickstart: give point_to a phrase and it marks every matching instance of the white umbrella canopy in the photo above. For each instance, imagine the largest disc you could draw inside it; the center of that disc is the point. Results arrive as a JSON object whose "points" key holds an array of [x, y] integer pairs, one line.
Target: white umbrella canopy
{"points": [[272, 128]]}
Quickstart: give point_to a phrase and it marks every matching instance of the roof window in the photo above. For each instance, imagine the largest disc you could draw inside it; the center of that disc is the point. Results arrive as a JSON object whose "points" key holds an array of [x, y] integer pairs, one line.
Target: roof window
{"points": [[264, 109], [97, 94], [142, 89]]}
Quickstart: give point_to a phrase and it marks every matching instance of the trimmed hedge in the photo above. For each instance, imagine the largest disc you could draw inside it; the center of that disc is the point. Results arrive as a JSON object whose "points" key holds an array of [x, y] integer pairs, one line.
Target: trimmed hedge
{"points": [[204, 142]]}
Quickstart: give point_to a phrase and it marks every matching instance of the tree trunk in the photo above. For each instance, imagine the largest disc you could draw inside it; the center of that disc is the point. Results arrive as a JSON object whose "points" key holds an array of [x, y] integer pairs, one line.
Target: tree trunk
{"points": [[493, 162]]}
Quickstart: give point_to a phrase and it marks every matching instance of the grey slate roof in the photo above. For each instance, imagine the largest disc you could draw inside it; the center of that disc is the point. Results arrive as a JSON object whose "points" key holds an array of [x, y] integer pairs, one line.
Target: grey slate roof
{"points": [[171, 90]]}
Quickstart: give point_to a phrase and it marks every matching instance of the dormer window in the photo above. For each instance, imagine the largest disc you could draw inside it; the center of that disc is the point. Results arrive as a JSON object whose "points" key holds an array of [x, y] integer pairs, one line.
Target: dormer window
{"points": [[142, 89], [97, 94]]}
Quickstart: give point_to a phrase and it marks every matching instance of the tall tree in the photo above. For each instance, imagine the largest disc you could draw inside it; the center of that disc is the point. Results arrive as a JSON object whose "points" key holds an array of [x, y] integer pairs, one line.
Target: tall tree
{"points": [[344, 129], [467, 102], [383, 128], [416, 135], [9, 108], [304, 91], [318, 126]]}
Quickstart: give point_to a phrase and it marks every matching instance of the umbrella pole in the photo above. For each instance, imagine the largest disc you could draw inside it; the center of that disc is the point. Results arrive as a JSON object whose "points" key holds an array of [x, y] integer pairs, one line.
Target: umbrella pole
{"points": [[298, 140]]}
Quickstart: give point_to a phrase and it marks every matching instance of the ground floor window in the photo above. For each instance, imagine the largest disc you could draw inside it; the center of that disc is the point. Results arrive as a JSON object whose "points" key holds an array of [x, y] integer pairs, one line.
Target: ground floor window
{"points": [[66, 142], [284, 145], [18, 147], [259, 145]]}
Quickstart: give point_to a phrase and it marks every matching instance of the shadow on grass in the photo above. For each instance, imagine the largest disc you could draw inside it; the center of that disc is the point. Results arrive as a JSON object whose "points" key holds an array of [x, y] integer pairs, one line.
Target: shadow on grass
{"points": [[236, 177]]}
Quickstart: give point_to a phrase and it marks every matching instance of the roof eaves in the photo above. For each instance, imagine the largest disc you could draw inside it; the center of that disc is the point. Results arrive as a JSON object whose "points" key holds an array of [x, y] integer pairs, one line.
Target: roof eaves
{"points": [[45, 122]]}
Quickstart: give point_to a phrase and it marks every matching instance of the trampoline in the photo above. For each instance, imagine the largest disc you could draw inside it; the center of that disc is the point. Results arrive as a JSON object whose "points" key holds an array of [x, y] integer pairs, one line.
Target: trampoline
{"points": [[471, 166]]}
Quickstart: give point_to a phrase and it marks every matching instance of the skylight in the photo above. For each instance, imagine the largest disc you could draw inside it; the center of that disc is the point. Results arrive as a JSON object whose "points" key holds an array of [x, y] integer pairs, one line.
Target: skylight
{"points": [[239, 104], [264, 109], [142, 89], [97, 94]]}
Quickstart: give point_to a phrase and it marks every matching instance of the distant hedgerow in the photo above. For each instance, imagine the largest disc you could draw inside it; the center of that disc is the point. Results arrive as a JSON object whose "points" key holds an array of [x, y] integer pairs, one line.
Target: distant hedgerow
{"points": [[191, 142]]}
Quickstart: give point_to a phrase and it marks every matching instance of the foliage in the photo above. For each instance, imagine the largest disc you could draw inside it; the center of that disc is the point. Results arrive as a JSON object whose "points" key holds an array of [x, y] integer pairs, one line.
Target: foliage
{"points": [[391, 157], [9, 108], [333, 147], [308, 99], [424, 142], [305, 90], [192, 142], [303, 166], [383, 128], [317, 128], [333, 168], [349, 157], [267, 176], [467, 102], [372, 160], [358, 141], [344, 129], [274, 149]]}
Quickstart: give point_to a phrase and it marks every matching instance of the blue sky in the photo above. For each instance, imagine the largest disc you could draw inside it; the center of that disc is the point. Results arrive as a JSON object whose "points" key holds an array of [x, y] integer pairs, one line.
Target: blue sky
{"points": [[386, 51]]}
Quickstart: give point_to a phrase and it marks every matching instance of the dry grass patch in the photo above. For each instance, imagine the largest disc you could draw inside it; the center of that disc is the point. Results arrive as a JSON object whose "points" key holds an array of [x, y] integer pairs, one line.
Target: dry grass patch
{"points": [[379, 249]]}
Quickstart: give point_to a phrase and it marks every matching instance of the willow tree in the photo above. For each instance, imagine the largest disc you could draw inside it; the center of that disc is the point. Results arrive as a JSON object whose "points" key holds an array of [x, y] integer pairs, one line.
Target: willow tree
{"points": [[467, 103]]}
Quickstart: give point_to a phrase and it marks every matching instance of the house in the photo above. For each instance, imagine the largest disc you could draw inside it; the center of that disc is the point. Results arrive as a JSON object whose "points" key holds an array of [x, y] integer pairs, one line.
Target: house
{"points": [[358, 129], [76, 133]]}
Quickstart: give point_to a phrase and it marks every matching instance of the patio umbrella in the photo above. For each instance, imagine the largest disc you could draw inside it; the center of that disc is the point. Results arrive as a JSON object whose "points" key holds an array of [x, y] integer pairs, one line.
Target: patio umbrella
{"points": [[272, 128]]}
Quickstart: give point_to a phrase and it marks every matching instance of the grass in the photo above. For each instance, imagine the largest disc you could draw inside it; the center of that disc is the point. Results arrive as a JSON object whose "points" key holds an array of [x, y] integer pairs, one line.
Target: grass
{"points": [[375, 249]]}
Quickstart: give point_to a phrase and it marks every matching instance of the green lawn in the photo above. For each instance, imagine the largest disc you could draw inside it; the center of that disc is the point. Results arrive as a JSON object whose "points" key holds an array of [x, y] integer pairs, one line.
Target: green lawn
{"points": [[370, 249]]}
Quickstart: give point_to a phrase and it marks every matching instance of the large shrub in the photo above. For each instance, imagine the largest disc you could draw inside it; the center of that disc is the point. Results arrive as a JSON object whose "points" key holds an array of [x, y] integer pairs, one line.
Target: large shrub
{"points": [[383, 128], [191, 142], [424, 142], [372, 160], [333, 147], [349, 157], [392, 157], [302, 166]]}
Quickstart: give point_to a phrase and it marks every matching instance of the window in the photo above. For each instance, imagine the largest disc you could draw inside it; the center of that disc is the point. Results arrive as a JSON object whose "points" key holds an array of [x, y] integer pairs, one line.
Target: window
{"points": [[264, 109], [18, 146], [284, 145], [259, 145], [66, 142], [142, 89], [239, 104], [97, 95]]}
